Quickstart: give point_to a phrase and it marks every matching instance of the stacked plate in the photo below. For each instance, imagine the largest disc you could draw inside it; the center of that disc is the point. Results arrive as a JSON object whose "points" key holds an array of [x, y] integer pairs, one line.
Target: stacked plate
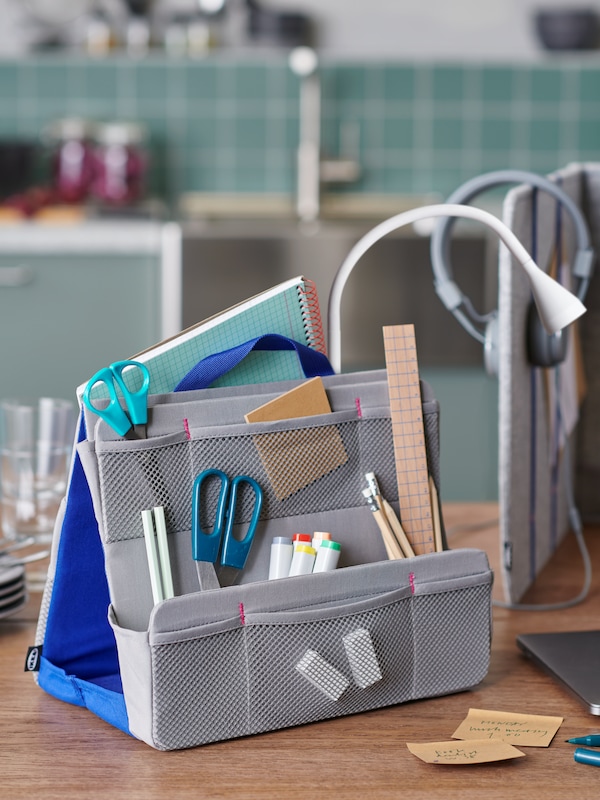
{"points": [[13, 593]]}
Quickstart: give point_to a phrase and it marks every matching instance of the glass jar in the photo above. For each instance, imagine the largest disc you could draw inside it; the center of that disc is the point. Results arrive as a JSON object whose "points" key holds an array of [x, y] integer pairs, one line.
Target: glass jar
{"points": [[120, 163], [71, 159]]}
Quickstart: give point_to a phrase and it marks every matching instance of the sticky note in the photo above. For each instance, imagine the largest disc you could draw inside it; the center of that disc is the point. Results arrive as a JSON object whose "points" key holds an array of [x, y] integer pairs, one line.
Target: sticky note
{"points": [[474, 751], [527, 730]]}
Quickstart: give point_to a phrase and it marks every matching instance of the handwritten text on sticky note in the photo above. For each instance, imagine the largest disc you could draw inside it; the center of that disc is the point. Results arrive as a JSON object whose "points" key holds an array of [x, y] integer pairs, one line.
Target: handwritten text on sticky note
{"points": [[475, 751], [527, 730]]}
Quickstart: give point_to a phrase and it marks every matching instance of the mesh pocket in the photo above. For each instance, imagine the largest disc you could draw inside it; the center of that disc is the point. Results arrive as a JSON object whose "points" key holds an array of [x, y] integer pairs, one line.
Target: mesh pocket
{"points": [[294, 459], [281, 696], [143, 478], [266, 670], [163, 474], [367, 444], [452, 640], [200, 690], [136, 478]]}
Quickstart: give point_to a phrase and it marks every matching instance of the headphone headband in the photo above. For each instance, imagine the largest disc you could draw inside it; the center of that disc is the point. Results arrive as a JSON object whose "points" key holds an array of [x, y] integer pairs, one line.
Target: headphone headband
{"points": [[446, 288], [544, 350]]}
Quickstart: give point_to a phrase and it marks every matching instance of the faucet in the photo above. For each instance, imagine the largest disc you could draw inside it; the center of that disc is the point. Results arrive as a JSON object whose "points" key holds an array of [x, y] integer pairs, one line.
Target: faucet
{"points": [[312, 170]]}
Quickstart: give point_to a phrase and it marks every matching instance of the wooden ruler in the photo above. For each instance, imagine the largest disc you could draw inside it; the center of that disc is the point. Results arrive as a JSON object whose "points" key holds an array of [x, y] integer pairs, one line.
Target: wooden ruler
{"points": [[409, 436]]}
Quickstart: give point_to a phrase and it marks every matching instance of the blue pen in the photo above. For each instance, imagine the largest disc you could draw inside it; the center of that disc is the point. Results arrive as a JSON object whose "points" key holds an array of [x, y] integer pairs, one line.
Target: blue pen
{"points": [[583, 756], [592, 740]]}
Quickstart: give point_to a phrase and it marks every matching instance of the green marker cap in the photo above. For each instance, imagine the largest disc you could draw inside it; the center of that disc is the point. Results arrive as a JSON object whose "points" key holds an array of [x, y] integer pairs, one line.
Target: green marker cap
{"points": [[330, 544]]}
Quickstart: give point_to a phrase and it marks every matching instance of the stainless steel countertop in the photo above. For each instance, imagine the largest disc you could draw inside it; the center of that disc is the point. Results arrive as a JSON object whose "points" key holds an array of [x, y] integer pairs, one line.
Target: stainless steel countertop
{"points": [[101, 236]]}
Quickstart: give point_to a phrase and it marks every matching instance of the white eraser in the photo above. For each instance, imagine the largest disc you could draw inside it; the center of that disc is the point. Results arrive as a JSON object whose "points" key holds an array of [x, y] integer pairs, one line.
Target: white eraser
{"points": [[322, 675], [362, 658]]}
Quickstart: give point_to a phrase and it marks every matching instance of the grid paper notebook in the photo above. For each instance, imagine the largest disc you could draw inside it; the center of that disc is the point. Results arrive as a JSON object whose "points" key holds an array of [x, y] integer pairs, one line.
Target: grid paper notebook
{"points": [[291, 309]]}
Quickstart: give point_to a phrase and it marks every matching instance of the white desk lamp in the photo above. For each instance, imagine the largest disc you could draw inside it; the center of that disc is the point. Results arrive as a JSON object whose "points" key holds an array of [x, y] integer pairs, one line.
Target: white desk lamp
{"points": [[557, 306]]}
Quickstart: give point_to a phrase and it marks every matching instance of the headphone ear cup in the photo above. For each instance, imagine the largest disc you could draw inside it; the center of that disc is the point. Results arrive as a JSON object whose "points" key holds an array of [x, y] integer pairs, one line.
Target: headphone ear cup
{"points": [[544, 349]]}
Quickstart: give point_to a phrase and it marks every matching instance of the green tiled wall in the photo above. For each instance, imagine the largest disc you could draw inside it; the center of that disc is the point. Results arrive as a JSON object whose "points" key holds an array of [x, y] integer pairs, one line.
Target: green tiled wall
{"points": [[232, 125]]}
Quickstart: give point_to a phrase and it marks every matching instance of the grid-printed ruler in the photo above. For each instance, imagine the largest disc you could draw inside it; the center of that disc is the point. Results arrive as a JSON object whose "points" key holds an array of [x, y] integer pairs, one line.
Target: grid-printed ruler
{"points": [[409, 436]]}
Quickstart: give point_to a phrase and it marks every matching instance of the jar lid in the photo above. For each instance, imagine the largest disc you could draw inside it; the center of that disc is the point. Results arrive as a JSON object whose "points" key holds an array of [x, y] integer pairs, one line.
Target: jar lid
{"points": [[70, 128], [120, 133]]}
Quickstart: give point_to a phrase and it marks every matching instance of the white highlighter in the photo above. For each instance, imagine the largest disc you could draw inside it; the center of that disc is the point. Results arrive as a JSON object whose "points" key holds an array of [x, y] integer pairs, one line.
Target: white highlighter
{"points": [[301, 538], [282, 550], [318, 537], [303, 560], [328, 555]]}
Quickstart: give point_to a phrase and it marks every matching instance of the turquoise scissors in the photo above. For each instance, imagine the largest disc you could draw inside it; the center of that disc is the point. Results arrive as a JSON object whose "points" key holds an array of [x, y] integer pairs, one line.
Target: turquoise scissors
{"points": [[221, 542], [133, 421]]}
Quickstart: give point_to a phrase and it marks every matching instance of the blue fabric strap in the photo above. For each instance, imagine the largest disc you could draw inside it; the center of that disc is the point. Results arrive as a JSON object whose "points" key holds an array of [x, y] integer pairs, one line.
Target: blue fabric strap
{"points": [[212, 367]]}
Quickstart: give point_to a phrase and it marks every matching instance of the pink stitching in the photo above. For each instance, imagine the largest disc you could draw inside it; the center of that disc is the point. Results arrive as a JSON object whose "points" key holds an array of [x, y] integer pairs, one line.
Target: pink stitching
{"points": [[186, 427], [411, 580], [358, 407], [242, 614]]}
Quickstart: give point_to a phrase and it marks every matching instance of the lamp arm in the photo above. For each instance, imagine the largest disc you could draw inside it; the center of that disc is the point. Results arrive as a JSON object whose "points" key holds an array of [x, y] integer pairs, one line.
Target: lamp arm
{"points": [[399, 221]]}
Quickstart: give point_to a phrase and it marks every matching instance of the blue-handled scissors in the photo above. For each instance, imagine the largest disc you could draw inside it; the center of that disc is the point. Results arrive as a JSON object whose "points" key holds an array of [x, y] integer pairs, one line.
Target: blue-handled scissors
{"points": [[221, 543], [133, 421]]}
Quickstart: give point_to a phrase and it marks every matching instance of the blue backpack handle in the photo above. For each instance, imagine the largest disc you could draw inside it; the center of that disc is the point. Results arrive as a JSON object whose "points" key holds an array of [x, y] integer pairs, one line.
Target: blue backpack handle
{"points": [[312, 362]]}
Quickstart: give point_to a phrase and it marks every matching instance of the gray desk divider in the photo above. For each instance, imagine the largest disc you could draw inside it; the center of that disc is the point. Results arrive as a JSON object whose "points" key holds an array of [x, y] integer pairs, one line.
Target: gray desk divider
{"points": [[534, 508]]}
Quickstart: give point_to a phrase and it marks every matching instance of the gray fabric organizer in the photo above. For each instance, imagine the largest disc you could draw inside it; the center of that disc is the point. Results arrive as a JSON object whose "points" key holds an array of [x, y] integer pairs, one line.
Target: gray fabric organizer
{"points": [[217, 664], [532, 494]]}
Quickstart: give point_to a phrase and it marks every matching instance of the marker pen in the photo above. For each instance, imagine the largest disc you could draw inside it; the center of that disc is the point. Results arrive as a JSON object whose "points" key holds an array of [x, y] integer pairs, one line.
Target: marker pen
{"points": [[584, 756], [301, 538], [282, 550], [592, 740], [318, 537], [328, 555], [303, 560]]}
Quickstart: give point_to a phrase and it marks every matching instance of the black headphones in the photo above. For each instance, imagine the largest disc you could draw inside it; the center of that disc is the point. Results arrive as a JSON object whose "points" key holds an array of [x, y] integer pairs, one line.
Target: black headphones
{"points": [[543, 349]]}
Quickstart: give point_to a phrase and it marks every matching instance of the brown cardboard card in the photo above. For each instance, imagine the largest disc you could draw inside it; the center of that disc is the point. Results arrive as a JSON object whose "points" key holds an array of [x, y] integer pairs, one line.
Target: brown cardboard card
{"points": [[306, 400], [295, 458]]}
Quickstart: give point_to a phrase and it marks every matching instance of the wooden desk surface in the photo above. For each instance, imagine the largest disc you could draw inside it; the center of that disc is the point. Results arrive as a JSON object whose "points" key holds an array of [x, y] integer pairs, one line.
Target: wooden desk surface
{"points": [[49, 749]]}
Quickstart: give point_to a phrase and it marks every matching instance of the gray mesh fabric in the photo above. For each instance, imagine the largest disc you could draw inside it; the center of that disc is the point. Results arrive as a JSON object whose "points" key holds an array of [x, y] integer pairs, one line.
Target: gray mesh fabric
{"points": [[199, 690], [244, 680], [131, 479]]}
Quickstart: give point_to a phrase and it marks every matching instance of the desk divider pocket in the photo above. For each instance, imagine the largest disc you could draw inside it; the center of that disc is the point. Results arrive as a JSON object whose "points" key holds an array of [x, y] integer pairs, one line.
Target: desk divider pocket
{"points": [[452, 625], [246, 659], [279, 691], [295, 458]]}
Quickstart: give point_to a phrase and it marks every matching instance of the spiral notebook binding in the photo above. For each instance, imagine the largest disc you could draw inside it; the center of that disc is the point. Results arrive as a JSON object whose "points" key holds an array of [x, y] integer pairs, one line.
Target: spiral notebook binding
{"points": [[311, 315]]}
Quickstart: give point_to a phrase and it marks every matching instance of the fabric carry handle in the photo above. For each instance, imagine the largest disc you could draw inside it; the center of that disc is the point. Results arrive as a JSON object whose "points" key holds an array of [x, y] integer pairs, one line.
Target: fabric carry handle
{"points": [[201, 376]]}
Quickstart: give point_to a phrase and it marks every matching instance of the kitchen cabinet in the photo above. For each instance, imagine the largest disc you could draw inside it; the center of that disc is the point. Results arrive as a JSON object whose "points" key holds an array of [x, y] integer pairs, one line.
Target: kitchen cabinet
{"points": [[75, 298]]}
